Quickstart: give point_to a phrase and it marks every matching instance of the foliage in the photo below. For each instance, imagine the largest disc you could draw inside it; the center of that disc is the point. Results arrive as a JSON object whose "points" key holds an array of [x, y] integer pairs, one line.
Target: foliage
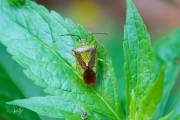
{"points": [[37, 45], [32, 36], [139, 69]]}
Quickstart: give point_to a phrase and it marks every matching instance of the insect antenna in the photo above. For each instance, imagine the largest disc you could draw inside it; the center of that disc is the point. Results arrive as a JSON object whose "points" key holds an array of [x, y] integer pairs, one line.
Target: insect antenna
{"points": [[94, 33], [71, 35]]}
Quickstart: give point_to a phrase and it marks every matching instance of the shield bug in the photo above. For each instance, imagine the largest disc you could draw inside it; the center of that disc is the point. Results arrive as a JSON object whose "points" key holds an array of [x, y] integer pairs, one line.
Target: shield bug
{"points": [[86, 58]]}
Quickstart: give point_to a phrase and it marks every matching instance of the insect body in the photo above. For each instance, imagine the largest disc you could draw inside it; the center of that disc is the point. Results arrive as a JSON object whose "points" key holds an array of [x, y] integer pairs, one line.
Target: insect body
{"points": [[86, 58]]}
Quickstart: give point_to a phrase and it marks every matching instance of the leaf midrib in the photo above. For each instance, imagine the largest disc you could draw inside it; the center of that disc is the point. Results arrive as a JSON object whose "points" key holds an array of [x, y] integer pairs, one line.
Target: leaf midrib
{"points": [[110, 108]]}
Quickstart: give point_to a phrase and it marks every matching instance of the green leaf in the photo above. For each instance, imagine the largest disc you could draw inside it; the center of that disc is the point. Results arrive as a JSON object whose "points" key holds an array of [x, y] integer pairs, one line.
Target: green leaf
{"points": [[168, 48], [54, 106], [167, 51], [139, 63], [152, 98], [132, 107], [32, 35], [10, 89], [167, 116], [170, 77], [177, 117], [173, 103]]}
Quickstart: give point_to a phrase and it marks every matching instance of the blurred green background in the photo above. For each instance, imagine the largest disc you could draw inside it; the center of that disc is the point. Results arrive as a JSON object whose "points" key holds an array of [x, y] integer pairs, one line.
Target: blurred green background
{"points": [[160, 17]]}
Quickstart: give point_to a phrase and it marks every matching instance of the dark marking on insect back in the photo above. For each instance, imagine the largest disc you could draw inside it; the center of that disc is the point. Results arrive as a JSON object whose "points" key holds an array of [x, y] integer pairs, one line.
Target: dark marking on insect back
{"points": [[79, 59], [89, 77]]}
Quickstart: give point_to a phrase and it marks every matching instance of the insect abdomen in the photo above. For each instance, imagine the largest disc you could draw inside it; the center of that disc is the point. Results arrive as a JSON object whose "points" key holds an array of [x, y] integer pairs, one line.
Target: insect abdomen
{"points": [[89, 77]]}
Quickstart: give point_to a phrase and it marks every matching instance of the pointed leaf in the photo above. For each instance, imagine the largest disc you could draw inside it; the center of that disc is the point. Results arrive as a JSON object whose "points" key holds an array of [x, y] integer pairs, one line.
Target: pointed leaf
{"points": [[173, 104], [33, 36], [167, 51], [132, 107], [54, 106], [151, 99], [139, 63], [167, 116]]}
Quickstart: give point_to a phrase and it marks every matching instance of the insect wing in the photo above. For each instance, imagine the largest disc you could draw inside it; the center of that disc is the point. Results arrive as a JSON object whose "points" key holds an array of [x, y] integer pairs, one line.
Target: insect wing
{"points": [[79, 59], [93, 57]]}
